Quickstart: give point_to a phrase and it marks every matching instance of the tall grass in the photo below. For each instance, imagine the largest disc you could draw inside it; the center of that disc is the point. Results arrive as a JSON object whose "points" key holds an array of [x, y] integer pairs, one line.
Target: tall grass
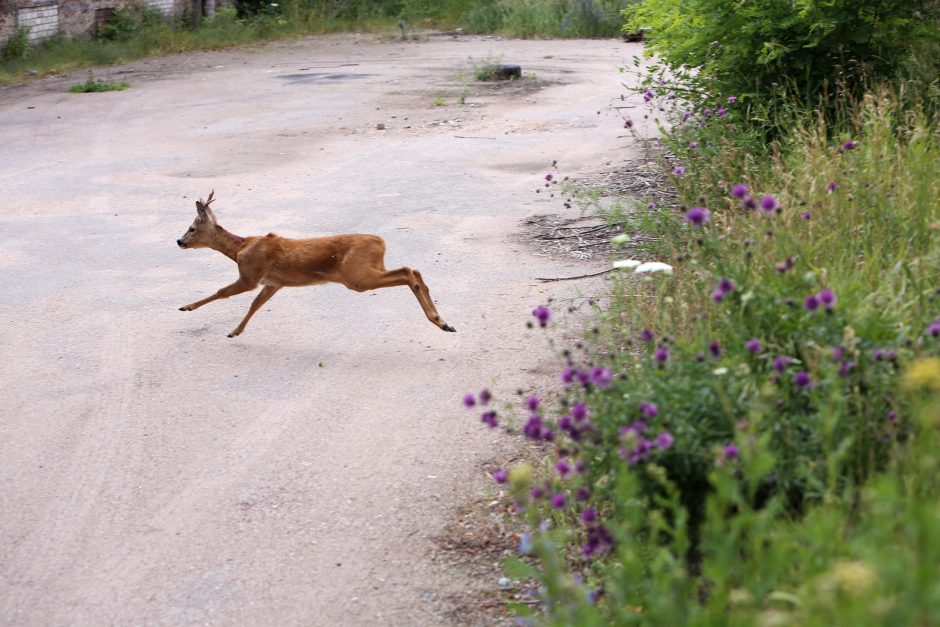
{"points": [[744, 435]]}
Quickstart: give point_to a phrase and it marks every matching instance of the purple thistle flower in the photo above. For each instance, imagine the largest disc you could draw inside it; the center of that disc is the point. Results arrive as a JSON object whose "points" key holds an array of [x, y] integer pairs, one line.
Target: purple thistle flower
{"points": [[732, 99], [549, 177], [698, 216], [568, 374], [811, 303], [649, 410], [802, 379], [647, 335], [532, 403], [693, 145], [601, 377], [558, 500], [661, 354], [838, 352], [543, 314], [878, 354], [589, 515], [891, 416], [582, 494], [579, 412], [740, 191], [485, 396], [500, 476], [686, 115], [781, 362], [536, 493], [678, 170], [599, 540], [726, 286], [849, 145], [769, 204], [754, 346], [489, 419], [628, 123], [580, 467], [934, 328], [718, 296], [827, 298], [664, 440], [845, 367], [714, 348], [562, 467], [548, 435], [831, 187], [533, 427], [806, 215], [584, 378], [730, 452], [707, 112], [641, 452], [721, 112], [671, 96], [469, 400], [785, 265], [749, 203], [648, 95], [651, 205]]}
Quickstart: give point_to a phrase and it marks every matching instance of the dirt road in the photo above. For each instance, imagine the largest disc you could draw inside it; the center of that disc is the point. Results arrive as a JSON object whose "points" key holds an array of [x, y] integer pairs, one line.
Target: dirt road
{"points": [[155, 471]]}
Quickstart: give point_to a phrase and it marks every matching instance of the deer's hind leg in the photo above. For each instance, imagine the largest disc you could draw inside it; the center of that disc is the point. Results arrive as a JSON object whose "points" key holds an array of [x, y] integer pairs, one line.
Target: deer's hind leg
{"points": [[373, 279]]}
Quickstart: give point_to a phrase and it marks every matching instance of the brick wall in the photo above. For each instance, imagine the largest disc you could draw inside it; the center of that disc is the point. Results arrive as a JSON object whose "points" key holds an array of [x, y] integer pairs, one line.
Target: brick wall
{"points": [[42, 20]]}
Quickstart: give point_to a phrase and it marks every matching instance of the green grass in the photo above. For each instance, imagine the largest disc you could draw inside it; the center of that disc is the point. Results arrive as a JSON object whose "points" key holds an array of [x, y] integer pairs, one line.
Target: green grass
{"points": [[93, 85]]}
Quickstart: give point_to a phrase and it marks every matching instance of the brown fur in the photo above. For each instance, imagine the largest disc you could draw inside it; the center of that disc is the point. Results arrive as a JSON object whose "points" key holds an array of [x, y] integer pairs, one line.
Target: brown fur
{"points": [[356, 261]]}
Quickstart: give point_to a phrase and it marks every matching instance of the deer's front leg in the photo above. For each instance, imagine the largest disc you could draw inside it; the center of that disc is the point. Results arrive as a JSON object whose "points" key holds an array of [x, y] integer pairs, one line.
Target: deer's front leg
{"points": [[239, 286], [263, 296]]}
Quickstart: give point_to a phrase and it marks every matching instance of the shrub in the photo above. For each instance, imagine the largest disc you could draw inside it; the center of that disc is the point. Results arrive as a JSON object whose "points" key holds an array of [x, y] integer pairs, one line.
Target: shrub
{"points": [[759, 48], [16, 47], [122, 26]]}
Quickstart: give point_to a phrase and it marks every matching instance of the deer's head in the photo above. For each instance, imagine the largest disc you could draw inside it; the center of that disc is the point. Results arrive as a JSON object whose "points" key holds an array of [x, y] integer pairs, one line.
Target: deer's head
{"points": [[202, 231]]}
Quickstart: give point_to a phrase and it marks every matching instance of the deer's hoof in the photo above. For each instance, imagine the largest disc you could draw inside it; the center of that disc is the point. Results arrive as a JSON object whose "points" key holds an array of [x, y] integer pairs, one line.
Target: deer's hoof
{"points": [[449, 328]]}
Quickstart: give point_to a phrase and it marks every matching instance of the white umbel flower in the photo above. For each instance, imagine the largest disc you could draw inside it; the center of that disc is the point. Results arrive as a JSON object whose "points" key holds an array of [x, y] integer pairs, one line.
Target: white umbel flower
{"points": [[652, 267], [626, 264]]}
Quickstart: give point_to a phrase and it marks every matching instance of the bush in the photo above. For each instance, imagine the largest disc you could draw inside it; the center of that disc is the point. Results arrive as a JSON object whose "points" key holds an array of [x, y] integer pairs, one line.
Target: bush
{"points": [[122, 26], [760, 48], [16, 47]]}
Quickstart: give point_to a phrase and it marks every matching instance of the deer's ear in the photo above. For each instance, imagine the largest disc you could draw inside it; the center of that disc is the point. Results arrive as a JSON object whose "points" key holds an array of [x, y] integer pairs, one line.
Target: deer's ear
{"points": [[210, 216], [205, 214]]}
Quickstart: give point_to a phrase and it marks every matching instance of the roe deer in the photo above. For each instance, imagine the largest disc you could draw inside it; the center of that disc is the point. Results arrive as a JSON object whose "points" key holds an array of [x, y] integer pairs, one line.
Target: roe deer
{"points": [[356, 261]]}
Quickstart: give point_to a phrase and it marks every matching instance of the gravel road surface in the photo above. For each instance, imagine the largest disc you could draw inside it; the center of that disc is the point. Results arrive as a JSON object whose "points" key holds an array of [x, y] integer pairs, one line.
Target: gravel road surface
{"points": [[155, 471]]}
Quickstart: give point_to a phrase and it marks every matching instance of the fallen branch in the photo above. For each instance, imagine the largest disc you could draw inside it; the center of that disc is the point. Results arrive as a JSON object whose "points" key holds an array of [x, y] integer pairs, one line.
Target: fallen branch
{"points": [[572, 278]]}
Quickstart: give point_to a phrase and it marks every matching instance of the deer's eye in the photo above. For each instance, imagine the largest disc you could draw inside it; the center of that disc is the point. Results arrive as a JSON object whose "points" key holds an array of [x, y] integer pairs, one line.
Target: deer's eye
{"points": [[192, 230]]}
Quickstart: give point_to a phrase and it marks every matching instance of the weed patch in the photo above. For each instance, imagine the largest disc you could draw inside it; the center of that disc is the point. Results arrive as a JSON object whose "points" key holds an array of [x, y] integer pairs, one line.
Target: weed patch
{"points": [[94, 85]]}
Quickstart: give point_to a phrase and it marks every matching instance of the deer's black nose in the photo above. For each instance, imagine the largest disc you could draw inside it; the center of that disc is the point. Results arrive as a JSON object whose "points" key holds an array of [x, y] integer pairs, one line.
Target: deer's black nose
{"points": [[179, 243]]}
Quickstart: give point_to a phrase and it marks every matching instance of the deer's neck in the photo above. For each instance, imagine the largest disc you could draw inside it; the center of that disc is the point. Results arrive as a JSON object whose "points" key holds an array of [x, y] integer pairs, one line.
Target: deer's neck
{"points": [[227, 243]]}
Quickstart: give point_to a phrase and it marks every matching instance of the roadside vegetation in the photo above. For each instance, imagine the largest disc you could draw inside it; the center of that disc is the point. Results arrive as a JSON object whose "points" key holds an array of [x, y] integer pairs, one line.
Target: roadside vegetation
{"points": [[751, 433], [135, 33]]}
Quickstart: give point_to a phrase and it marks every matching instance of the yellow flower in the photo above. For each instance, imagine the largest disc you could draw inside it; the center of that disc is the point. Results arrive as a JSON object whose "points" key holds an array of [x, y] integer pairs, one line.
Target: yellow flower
{"points": [[854, 577], [923, 374], [520, 475]]}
